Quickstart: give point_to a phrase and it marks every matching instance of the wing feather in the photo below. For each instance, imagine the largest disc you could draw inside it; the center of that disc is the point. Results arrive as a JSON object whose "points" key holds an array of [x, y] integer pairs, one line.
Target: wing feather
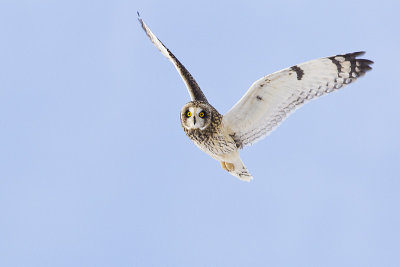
{"points": [[191, 84], [273, 97]]}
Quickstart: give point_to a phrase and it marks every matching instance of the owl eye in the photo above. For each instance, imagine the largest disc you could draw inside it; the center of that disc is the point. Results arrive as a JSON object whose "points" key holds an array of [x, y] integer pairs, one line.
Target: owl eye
{"points": [[188, 114], [202, 114]]}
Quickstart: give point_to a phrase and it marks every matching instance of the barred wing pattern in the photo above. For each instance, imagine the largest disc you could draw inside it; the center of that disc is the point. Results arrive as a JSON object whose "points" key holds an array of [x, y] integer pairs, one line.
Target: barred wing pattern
{"points": [[272, 98]]}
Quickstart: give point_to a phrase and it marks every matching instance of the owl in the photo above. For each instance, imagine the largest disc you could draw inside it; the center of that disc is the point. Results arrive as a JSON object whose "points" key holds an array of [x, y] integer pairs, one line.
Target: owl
{"points": [[262, 108]]}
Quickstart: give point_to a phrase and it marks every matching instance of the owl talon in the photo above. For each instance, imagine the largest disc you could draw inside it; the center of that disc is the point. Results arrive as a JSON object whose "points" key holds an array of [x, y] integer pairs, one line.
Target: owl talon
{"points": [[227, 166], [230, 166], [223, 166]]}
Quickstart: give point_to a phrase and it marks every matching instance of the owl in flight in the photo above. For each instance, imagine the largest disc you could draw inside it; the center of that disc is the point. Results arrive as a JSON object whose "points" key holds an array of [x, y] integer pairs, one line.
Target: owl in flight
{"points": [[263, 107]]}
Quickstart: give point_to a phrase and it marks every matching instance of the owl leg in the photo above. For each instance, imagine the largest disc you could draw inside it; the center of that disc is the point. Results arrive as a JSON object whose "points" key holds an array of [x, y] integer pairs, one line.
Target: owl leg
{"points": [[227, 166]]}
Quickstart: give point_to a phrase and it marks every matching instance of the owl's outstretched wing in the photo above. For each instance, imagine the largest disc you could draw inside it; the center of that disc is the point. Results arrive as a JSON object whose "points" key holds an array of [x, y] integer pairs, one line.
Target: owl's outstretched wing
{"points": [[272, 98], [192, 86]]}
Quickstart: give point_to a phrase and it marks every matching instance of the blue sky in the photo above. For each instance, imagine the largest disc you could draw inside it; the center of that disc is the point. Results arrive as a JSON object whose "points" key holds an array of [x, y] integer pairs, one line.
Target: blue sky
{"points": [[95, 169]]}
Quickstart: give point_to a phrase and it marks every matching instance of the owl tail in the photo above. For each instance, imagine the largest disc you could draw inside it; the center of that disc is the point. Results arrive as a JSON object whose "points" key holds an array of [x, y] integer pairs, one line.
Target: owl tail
{"points": [[236, 167]]}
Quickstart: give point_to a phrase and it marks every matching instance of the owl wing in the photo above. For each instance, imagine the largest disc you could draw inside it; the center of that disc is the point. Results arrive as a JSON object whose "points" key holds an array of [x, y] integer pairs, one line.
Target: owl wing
{"points": [[272, 98], [192, 86]]}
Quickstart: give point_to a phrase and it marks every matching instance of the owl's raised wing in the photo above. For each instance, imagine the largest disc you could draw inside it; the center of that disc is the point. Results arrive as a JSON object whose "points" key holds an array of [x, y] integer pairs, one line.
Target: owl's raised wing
{"points": [[272, 98], [192, 86]]}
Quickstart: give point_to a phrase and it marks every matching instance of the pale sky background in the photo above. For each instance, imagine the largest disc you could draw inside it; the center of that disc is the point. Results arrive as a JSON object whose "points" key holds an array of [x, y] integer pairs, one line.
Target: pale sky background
{"points": [[95, 169]]}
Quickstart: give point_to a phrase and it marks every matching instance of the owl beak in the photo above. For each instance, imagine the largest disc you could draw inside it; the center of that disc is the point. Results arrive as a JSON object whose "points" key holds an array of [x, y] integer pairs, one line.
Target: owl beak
{"points": [[194, 120]]}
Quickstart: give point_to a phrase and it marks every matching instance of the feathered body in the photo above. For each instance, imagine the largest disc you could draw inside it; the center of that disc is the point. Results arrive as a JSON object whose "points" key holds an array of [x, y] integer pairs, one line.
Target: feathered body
{"points": [[262, 108], [212, 137]]}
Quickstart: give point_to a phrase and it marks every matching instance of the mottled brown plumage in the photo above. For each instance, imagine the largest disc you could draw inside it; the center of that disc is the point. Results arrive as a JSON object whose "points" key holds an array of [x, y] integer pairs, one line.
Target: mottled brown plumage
{"points": [[212, 139]]}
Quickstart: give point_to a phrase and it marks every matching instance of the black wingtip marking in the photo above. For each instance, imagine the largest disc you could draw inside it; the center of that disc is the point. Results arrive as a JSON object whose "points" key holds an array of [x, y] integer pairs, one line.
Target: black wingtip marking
{"points": [[356, 54], [337, 63], [358, 66], [299, 72], [141, 21], [365, 61]]}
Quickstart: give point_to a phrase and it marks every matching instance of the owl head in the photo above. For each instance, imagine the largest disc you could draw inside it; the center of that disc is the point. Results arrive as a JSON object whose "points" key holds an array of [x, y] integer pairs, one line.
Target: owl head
{"points": [[196, 115]]}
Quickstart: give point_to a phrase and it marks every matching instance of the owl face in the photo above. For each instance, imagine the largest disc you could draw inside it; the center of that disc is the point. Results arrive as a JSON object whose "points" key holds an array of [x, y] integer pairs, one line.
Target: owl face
{"points": [[196, 115]]}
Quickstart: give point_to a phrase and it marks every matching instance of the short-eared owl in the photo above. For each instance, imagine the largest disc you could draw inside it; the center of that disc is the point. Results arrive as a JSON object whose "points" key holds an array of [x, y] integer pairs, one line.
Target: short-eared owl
{"points": [[262, 108]]}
